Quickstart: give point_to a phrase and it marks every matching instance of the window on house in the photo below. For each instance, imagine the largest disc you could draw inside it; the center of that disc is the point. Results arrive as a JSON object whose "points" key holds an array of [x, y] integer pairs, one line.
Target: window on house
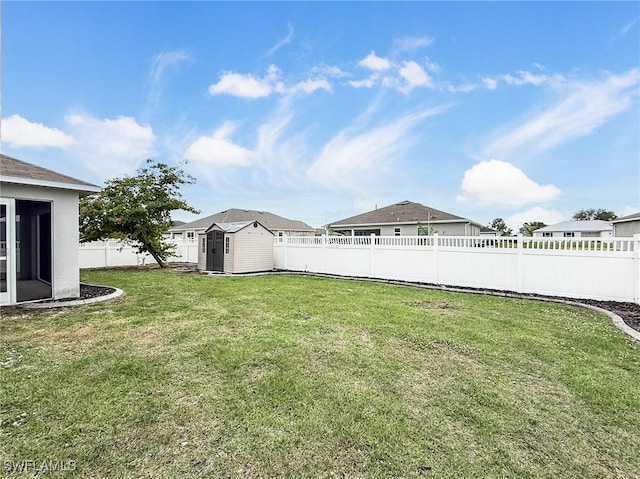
{"points": [[191, 235], [547, 234], [396, 232], [226, 245], [569, 234], [204, 245]]}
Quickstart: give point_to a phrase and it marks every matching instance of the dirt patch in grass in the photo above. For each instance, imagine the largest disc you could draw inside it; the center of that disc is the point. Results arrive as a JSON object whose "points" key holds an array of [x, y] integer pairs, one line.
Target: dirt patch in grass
{"points": [[433, 305]]}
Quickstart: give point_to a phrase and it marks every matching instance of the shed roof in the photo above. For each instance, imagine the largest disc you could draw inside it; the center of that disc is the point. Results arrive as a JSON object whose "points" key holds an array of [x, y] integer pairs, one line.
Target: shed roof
{"points": [[17, 171], [236, 226], [578, 225], [403, 212], [235, 215]]}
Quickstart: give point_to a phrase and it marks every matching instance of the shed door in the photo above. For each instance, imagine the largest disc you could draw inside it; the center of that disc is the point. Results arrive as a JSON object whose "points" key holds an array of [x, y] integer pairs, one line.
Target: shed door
{"points": [[215, 251], [218, 251]]}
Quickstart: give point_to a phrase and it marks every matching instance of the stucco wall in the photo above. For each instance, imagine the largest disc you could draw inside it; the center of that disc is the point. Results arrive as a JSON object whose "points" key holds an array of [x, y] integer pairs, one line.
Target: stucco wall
{"points": [[65, 238]]}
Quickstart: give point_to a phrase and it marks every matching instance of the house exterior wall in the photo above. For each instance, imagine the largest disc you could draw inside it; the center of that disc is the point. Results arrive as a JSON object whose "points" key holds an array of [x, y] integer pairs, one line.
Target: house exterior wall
{"points": [[627, 228], [576, 234], [251, 250], [443, 229], [65, 281]]}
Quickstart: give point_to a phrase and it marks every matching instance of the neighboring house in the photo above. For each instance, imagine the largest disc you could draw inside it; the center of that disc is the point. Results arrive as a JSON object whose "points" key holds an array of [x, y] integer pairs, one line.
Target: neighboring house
{"points": [[486, 231], [277, 224], [627, 226], [406, 219], [576, 229], [39, 232], [242, 247]]}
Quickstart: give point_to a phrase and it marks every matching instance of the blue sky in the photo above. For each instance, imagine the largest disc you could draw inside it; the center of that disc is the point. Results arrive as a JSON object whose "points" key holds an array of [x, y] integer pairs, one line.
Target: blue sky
{"points": [[320, 110]]}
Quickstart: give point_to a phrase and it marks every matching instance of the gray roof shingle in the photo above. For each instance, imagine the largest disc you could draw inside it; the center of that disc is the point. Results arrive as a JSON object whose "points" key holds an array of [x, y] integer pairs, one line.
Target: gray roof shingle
{"points": [[12, 167], [234, 227], [235, 215], [403, 212]]}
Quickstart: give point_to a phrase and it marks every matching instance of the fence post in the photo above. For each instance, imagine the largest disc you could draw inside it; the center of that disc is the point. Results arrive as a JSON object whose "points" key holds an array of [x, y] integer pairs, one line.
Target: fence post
{"points": [[286, 252], [372, 249], [436, 253], [323, 252], [520, 263], [636, 249], [107, 253]]}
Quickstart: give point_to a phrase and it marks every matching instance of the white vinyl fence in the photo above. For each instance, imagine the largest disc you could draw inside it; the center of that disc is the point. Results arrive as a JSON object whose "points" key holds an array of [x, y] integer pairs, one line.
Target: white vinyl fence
{"points": [[598, 268], [100, 254]]}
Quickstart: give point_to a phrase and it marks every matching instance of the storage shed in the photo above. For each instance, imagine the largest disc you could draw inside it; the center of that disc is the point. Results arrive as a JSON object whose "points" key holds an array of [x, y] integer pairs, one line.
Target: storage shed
{"points": [[243, 247]]}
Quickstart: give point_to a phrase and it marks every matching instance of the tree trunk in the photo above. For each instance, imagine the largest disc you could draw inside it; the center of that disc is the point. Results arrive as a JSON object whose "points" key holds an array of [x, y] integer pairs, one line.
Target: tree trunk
{"points": [[153, 253]]}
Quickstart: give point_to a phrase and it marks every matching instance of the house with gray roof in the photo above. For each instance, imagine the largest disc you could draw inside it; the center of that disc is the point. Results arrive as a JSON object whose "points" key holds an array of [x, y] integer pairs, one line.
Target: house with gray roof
{"points": [[277, 224], [576, 229], [39, 232], [405, 218], [627, 226]]}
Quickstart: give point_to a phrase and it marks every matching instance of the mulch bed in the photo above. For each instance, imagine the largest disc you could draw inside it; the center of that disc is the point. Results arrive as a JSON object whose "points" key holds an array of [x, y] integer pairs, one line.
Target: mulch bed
{"points": [[629, 312]]}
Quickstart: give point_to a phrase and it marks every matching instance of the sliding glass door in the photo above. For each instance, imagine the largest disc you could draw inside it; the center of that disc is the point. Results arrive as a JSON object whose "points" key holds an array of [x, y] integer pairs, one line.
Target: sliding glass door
{"points": [[7, 251]]}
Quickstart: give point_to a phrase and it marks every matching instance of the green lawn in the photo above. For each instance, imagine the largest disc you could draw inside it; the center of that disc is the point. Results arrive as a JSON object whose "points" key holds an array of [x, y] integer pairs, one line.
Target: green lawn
{"points": [[285, 376]]}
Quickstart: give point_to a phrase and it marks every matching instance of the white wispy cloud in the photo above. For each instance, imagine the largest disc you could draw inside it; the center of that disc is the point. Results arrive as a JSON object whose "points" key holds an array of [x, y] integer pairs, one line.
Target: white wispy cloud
{"points": [[331, 71], [463, 88], [625, 29], [269, 154], [246, 85], [500, 183], [369, 82], [282, 41], [311, 85], [490, 83], [110, 147], [523, 77], [584, 107], [160, 64], [408, 44], [433, 67], [361, 152], [547, 216], [414, 76], [164, 61], [375, 63], [19, 132], [218, 149]]}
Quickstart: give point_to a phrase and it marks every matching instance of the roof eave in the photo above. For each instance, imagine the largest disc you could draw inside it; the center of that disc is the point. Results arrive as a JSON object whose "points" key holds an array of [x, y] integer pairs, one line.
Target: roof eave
{"points": [[87, 188]]}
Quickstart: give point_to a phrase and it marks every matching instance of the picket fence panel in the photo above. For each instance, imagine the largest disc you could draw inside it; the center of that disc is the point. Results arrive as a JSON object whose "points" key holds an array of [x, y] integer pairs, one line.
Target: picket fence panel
{"points": [[598, 268], [101, 254]]}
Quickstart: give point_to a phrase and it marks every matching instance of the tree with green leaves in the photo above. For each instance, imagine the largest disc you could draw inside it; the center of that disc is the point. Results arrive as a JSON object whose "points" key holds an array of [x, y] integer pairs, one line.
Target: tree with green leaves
{"points": [[499, 225], [137, 209], [595, 214], [527, 229]]}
